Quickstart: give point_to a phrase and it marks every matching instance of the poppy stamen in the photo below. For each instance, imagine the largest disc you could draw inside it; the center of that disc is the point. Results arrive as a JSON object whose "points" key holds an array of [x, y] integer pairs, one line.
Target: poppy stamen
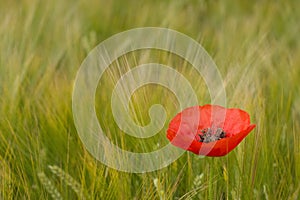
{"points": [[210, 135]]}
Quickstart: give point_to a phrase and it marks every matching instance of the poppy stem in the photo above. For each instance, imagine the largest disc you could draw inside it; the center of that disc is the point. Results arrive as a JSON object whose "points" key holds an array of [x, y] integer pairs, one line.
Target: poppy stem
{"points": [[210, 184]]}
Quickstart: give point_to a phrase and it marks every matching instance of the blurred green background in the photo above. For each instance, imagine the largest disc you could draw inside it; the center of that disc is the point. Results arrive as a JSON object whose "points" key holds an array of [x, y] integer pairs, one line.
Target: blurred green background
{"points": [[255, 45]]}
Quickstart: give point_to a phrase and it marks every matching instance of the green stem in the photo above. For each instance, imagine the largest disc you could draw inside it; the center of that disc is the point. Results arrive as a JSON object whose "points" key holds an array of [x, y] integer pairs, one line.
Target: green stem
{"points": [[210, 184]]}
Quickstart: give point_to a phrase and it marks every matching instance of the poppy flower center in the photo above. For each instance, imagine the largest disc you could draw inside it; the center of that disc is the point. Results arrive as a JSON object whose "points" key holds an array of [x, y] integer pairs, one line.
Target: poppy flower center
{"points": [[211, 134]]}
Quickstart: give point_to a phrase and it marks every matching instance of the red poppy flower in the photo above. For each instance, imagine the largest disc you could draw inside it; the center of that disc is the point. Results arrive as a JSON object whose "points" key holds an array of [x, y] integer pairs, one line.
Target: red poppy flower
{"points": [[209, 130]]}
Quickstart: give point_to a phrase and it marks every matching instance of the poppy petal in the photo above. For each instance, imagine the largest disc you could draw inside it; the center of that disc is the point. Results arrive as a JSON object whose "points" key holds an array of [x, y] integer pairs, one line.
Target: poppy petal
{"points": [[236, 121]]}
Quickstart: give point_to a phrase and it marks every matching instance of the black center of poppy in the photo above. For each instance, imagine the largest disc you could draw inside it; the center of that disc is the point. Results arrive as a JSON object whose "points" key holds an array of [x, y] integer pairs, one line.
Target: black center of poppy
{"points": [[210, 135]]}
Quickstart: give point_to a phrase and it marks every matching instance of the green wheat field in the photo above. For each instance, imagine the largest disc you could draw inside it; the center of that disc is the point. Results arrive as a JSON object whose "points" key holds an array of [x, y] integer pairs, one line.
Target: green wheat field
{"points": [[255, 45]]}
